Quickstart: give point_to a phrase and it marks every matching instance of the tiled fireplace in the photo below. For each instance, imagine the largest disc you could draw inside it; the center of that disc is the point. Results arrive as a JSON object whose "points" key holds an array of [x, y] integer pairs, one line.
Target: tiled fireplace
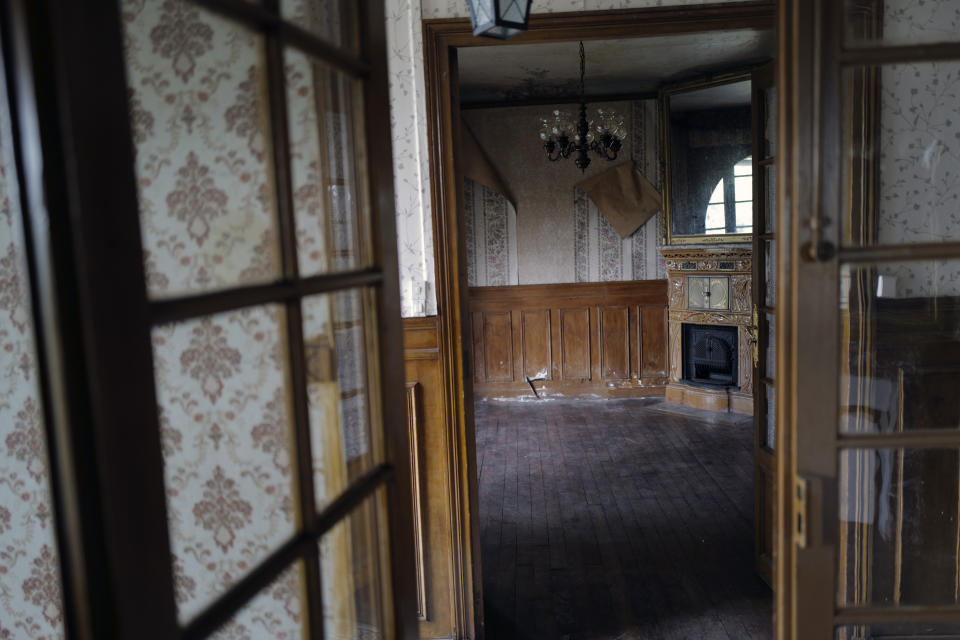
{"points": [[711, 335]]}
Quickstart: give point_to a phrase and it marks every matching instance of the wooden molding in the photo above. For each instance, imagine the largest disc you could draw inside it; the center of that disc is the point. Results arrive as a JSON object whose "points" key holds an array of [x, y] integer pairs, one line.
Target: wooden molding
{"points": [[613, 24], [415, 431]]}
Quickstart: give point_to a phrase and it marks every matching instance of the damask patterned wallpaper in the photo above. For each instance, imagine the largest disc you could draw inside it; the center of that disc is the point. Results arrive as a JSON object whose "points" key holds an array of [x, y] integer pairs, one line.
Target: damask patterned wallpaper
{"points": [[490, 226], [197, 87], [30, 602]]}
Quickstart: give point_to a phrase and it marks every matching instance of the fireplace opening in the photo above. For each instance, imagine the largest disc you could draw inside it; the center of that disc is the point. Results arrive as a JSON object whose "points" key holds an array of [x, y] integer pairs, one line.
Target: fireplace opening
{"points": [[710, 355]]}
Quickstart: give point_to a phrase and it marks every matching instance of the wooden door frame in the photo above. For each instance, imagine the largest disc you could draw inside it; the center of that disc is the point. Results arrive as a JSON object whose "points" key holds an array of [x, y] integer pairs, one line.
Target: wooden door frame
{"points": [[441, 39]]}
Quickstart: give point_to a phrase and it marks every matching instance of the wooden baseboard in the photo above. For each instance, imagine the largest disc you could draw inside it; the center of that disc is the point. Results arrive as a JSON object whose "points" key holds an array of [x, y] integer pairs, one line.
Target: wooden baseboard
{"points": [[723, 400]]}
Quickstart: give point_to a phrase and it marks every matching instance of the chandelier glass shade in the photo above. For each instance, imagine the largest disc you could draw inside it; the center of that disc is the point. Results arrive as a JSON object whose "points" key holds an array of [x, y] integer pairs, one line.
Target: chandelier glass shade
{"points": [[562, 136]]}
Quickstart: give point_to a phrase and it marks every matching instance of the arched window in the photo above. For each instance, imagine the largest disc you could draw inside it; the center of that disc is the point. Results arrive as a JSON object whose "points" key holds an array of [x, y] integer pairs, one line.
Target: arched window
{"points": [[732, 201]]}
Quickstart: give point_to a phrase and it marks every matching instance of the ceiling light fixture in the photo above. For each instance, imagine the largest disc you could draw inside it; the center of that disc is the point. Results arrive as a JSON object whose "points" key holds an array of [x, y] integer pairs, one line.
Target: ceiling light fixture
{"points": [[499, 19], [562, 138]]}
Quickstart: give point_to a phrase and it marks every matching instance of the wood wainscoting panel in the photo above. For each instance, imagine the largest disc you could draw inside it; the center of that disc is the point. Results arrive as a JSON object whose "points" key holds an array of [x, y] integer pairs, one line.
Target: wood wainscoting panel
{"points": [[498, 346], [583, 339], [476, 346], [575, 344], [535, 344], [654, 360], [614, 343], [429, 451]]}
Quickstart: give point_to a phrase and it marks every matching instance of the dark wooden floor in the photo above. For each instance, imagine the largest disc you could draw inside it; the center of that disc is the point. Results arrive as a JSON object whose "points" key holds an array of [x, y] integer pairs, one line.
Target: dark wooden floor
{"points": [[617, 519]]}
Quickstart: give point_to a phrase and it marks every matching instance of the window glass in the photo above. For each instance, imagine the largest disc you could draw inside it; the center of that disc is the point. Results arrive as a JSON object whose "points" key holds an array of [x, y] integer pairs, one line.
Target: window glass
{"points": [[226, 433], [203, 155]]}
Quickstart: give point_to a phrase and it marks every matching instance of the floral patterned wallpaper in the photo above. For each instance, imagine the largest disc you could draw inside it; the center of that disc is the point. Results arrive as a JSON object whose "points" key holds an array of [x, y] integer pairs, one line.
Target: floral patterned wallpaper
{"points": [[30, 602], [408, 119], [920, 149], [490, 226], [600, 254], [411, 166], [500, 251]]}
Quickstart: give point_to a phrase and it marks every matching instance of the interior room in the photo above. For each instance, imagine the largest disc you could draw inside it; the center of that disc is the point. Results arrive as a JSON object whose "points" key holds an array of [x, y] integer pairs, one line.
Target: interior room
{"points": [[612, 354], [479, 320]]}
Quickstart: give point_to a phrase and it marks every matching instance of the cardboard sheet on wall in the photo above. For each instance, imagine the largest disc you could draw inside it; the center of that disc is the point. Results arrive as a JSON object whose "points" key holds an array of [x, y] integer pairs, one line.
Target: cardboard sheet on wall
{"points": [[624, 197], [478, 167]]}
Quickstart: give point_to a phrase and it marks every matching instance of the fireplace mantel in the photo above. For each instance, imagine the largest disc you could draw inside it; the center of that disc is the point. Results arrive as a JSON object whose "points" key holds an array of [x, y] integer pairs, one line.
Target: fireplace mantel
{"points": [[735, 267]]}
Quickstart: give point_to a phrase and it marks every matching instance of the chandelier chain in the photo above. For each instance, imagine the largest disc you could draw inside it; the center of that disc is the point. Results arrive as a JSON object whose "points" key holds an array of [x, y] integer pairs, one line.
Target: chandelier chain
{"points": [[583, 64]]}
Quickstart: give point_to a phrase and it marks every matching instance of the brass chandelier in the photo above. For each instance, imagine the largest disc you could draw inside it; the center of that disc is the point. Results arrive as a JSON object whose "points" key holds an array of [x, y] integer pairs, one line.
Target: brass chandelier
{"points": [[562, 137]]}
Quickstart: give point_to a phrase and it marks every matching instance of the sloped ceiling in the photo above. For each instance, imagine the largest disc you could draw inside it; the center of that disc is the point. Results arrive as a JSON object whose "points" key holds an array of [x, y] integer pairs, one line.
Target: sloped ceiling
{"points": [[516, 73]]}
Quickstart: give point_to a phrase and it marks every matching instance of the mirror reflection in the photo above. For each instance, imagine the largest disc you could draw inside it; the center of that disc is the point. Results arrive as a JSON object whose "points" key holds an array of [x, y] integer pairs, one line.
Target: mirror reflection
{"points": [[709, 162]]}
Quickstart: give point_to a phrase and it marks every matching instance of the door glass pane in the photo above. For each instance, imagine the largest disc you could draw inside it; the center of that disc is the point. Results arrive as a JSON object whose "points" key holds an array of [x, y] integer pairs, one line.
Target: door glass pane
{"points": [[771, 434], [354, 563], [903, 22], [900, 361], [770, 127], [770, 272], [277, 612], [226, 431], [898, 527], [902, 154], [333, 21], [899, 631], [201, 130], [30, 599], [770, 188], [326, 148], [340, 342], [770, 361]]}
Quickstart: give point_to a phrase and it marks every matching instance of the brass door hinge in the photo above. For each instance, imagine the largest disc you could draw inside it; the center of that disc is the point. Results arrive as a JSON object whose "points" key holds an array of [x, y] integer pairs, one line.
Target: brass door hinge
{"points": [[801, 515]]}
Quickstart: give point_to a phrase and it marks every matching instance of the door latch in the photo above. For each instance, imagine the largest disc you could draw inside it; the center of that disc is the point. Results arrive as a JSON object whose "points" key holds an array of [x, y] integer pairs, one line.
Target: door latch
{"points": [[754, 337]]}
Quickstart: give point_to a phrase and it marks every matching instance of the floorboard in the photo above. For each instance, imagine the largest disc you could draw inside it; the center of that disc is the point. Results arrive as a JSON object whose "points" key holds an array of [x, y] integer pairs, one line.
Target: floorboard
{"points": [[617, 520]]}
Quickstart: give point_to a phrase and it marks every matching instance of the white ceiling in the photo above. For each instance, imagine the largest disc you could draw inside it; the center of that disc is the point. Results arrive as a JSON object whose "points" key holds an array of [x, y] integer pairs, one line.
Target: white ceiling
{"points": [[511, 73], [736, 94]]}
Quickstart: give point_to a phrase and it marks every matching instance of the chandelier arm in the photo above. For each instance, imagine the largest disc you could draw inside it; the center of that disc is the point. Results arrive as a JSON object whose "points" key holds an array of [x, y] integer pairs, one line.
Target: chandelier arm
{"points": [[604, 143]]}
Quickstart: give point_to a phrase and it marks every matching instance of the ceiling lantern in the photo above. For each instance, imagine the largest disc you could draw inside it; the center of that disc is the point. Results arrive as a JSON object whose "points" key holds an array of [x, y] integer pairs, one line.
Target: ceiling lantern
{"points": [[499, 19]]}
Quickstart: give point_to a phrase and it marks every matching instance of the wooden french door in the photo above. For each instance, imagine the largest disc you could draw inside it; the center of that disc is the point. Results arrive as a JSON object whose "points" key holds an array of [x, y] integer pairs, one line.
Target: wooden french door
{"points": [[213, 259], [870, 355], [764, 296]]}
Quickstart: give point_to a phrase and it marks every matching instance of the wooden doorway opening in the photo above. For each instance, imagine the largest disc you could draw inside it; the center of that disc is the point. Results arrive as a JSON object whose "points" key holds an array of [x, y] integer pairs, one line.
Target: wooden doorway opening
{"points": [[442, 39]]}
